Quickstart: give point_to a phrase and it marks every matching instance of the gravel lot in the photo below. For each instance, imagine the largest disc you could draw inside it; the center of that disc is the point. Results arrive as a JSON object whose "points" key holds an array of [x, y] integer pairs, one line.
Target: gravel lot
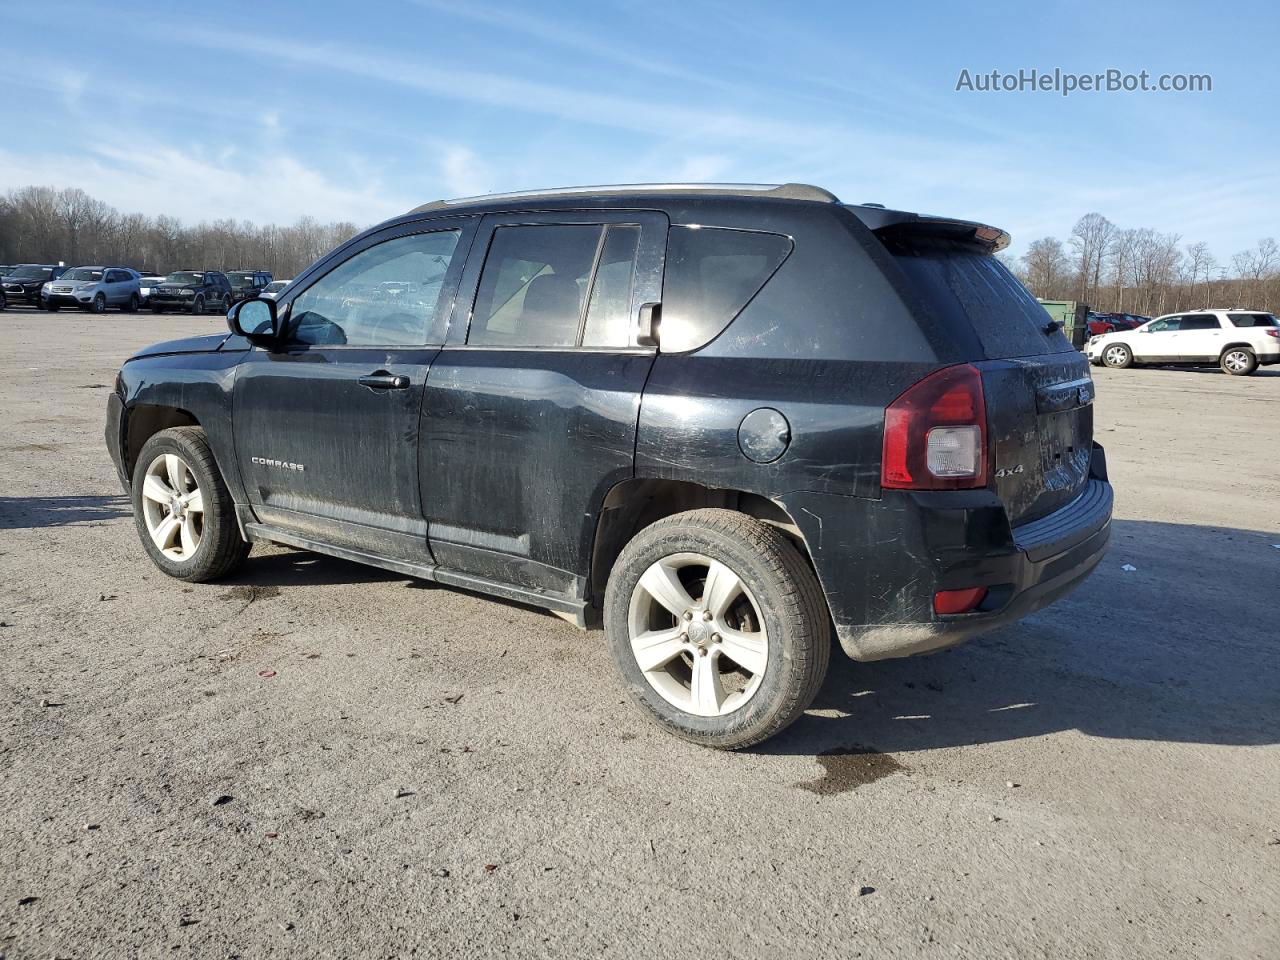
{"points": [[320, 759]]}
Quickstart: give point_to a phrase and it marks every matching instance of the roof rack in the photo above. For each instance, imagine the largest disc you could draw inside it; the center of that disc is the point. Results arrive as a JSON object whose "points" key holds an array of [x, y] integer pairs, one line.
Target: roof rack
{"points": [[782, 191]]}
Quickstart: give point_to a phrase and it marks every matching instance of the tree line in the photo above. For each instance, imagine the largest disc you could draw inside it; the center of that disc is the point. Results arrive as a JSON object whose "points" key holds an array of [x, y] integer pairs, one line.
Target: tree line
{"points": [[47, 225], [1142, 271]]}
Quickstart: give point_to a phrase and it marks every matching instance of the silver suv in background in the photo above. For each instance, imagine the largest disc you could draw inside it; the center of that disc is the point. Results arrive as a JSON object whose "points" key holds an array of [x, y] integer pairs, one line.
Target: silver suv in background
{"points": [[94, 289], [274, 288]]}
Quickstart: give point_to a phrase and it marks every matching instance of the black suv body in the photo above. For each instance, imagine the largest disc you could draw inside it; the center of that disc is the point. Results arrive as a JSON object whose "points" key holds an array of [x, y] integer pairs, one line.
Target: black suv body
{"points": [[718, 420], [247, 283], [192, 291], [23, 282]]}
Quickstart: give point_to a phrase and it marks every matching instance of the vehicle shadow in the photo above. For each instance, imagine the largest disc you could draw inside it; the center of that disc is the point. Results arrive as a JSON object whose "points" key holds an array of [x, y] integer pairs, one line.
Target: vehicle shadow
{"points": [[17, 513], [286, 567], [1180, 649]]}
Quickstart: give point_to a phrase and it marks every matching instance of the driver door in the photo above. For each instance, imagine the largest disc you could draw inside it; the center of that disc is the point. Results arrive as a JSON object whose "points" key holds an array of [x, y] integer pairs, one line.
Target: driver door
{"points": [[326, 427], [1158, 340]]}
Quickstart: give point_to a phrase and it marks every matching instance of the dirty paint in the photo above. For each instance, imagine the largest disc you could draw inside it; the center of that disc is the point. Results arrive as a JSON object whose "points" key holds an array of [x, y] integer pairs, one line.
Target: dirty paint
{"points": [[847, 768]]}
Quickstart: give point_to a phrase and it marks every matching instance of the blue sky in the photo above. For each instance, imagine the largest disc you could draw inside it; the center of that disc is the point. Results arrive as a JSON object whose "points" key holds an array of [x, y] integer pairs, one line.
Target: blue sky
{"points": [[268, 111]]}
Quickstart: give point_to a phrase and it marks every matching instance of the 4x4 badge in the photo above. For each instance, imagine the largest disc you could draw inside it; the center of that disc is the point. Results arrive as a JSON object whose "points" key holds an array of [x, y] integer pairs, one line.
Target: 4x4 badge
{"points": [[1009, 471]]}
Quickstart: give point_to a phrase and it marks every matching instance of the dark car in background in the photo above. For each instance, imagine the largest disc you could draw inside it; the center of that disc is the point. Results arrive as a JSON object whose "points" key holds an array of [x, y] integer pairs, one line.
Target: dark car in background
{"points": [[23, 282], [717, 420], [247, 283], [192, 291]]}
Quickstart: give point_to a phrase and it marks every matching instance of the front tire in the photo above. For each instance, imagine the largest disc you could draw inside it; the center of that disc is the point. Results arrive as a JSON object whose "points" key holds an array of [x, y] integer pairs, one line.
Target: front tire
{"points": [[1238, 361], [132, 305], [99, 304], [718, 626], [197, 306], [183, 510], [1117, 355]]}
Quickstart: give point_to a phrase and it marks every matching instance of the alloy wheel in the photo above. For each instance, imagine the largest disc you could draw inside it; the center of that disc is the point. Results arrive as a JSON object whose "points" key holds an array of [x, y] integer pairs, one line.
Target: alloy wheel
{"points": [[698, 635], [1236, 361], [173, 507]]}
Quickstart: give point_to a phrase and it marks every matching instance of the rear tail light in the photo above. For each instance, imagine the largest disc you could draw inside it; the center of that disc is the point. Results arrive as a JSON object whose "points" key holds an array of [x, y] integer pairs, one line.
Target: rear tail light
{"points": [[935, 434], [959, 601], [1274, 333]]}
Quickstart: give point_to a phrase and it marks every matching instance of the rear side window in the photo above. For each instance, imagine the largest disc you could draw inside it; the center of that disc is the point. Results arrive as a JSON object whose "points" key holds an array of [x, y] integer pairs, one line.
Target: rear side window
{"points": [[1200, 321], [1253, 320], [711, 274], [963, 287]]}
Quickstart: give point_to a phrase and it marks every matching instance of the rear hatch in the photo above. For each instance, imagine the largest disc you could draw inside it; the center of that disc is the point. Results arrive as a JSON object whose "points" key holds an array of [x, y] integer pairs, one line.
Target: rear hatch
{"points": [[1039, 395]]}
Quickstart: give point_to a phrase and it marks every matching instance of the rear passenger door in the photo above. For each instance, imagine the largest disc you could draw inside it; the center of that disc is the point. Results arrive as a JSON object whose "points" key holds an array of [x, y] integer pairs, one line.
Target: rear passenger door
{"points": [[530, 410], [1200, 337]]}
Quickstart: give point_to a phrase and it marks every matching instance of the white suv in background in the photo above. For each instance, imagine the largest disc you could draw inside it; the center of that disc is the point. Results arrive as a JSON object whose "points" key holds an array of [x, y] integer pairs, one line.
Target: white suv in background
{"points": [[1236, 340]]}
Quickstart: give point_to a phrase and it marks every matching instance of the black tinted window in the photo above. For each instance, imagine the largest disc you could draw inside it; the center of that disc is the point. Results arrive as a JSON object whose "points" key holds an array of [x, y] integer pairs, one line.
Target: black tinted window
{"points": [[533, 285], [711, 274], [1253, 320], [609, 309], [1200, 321], [386, 295], [964, 287]]}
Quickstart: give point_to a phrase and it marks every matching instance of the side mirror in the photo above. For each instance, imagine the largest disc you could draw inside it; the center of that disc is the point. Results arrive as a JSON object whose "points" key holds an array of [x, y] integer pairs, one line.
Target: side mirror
{"points": [[255, 320]]}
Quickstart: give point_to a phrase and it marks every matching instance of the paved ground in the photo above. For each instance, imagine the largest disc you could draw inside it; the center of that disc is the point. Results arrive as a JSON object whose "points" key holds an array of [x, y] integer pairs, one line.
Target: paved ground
{"points": [[430, 772]]}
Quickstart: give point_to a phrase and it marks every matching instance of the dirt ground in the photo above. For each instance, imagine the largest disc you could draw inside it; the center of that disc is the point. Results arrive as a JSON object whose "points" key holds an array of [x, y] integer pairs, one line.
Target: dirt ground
{"points": [[320, 759]]}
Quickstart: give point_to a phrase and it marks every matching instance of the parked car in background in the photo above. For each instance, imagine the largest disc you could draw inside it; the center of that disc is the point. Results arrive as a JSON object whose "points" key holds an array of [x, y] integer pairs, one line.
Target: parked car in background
{"points": [[1239, 341], [274, 288], [146, 286], [247, 283], [23, 282], [94, 289], [718, 419], [192, 291]]}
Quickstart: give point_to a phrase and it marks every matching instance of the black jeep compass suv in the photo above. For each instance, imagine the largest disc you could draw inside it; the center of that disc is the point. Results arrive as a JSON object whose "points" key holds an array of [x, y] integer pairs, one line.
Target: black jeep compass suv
{"points": [[721, 421]]}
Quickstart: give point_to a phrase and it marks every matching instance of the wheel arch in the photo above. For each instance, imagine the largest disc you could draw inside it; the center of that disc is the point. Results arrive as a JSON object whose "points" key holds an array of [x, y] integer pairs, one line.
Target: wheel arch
{"points": [[635, 503], [144, 421], [1238, 345]]}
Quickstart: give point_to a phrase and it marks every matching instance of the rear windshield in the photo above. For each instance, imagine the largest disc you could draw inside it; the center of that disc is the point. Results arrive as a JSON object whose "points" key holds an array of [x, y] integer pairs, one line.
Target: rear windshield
{"points": [[711, 274], [961, 286], [1253, 320]]}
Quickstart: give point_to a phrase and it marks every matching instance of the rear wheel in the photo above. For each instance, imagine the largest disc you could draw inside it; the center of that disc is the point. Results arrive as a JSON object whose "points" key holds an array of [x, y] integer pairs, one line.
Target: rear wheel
{"points": [[183, 510], [1117, 355], [718, 626], [1238, 361]]}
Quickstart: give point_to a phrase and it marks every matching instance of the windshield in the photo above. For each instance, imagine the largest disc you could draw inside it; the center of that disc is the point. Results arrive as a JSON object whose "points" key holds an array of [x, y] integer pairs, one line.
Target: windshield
{"points": [[29, 272], [240, 279], [82, 273], [184, 276]]}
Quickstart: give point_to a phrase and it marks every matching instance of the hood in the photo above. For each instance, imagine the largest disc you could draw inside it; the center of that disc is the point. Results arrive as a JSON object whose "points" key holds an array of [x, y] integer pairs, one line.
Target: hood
{"points": [[205, 344]]}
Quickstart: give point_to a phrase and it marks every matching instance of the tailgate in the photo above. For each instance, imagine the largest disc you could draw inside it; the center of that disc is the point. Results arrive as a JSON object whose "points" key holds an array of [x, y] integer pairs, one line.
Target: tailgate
{"points": [[1040, 427]]}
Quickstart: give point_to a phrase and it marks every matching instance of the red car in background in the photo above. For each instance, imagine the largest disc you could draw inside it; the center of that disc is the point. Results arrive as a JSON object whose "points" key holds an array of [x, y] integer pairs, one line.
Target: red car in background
{"points": [[1100, 323]]}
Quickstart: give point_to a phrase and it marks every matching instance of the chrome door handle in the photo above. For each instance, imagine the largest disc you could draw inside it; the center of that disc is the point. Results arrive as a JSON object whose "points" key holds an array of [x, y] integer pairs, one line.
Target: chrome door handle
{"points": [[385, 381]]}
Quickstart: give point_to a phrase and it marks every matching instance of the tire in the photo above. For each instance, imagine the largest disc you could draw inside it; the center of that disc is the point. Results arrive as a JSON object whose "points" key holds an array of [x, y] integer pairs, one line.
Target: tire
{"points": [[202, 543], [1117, 355], [778, 605], [197, 305], [226, 305], [1238, 361], [99, 304], [131, 306], [4, 301]]}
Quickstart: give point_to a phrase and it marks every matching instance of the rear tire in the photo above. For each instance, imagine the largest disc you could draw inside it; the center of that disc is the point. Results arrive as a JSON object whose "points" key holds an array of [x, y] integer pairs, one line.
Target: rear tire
{"points": [[177, 465], [767, 633], [1117, 355], [1238, 361]]}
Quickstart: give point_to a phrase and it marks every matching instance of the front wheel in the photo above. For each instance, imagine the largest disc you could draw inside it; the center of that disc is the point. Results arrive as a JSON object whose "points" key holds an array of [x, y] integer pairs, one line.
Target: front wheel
{"points": [[1117, 355], [99, 304], [197, 306], [719, 627], [132, 305], [1238, 362], [184, 512]]}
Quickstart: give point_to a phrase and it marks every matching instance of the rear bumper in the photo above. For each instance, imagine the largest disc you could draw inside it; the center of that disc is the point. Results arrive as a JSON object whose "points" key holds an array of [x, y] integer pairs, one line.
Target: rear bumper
{"points": [[881, 562]]}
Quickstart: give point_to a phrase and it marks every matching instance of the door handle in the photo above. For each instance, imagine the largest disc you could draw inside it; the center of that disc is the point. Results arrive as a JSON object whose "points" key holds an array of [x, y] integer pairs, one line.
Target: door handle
{"points": [[381, 380]]}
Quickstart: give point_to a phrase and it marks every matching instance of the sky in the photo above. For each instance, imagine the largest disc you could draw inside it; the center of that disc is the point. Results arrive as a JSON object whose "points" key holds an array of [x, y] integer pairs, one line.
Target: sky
{"points": [[360, 111]]}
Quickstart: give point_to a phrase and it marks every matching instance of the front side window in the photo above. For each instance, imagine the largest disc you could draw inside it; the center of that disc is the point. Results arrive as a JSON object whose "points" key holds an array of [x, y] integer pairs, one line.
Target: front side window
{"points": [[711, 274], [386, 295], [1167, 325]]}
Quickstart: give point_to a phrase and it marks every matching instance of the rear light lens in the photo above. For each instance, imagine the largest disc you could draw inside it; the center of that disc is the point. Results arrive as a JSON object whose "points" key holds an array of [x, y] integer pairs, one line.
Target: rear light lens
{"points": [[958, 601], [1274, 333], [935, 434]]}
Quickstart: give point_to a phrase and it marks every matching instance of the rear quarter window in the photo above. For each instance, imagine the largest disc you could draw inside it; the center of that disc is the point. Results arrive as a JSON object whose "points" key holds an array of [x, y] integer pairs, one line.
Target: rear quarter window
{"points": [[711, 274], [962, 287], [1253, 320]]}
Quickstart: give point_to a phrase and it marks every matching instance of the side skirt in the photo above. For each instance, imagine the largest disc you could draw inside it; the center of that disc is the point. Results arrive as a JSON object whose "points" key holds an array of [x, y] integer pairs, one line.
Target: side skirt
{"points": [[572, 610]]}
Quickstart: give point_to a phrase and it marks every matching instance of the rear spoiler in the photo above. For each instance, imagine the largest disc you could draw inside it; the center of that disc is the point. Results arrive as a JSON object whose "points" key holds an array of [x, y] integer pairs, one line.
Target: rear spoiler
{"points": [[899, 223]]}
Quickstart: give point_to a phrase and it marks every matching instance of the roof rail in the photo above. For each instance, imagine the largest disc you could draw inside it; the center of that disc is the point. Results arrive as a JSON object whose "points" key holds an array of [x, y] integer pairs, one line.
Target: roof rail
{"points": [[783, 191]]}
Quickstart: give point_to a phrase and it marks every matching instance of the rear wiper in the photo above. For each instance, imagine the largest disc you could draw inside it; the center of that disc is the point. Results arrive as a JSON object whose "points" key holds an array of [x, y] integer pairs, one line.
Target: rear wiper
{"points": [[1052, 327]]}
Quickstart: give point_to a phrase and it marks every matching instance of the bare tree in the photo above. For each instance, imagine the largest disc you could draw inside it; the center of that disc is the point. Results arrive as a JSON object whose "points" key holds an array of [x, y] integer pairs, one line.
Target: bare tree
{"points": [[1200, 265], [1091, 239], [1047, 268]]}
